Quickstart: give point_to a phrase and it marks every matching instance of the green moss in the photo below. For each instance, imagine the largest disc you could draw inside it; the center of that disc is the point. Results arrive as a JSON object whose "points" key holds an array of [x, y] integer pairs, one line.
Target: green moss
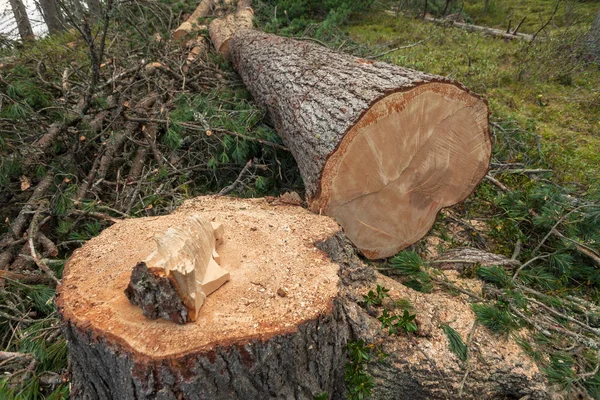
{"points": [[537, 12]]}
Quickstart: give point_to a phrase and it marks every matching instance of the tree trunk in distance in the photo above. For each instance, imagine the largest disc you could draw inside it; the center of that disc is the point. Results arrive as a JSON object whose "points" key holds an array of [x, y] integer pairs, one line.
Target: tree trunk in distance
{"points": [[277, 330], [95, 10], [52, 16], [501, 33], [380, 148], [23, 25]]}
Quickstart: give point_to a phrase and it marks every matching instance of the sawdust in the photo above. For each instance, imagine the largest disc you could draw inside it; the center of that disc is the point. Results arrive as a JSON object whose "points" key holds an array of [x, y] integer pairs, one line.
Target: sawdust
{"points": [[269, 250]]}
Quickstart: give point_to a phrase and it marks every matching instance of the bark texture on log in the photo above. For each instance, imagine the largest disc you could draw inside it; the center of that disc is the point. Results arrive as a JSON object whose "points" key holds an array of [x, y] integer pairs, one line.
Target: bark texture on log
{"points": [[274, 331], [156, 295], [297, 365], [380, 148]]}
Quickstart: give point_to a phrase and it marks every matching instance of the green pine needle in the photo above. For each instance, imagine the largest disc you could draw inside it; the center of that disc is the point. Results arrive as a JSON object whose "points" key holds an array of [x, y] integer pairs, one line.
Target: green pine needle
{"points": [[496, 275], [496, 319], [457, 346], [407, 263]]}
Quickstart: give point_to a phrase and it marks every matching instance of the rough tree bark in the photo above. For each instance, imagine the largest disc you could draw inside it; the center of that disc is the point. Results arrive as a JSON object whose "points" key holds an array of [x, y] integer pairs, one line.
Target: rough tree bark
{"points": [[52, 16], [23, 25], [380, 148], [278, 329]]}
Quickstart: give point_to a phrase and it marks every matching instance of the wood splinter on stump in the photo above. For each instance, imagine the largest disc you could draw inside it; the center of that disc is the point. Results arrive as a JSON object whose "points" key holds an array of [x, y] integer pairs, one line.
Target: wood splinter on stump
{"points": [[380, 148], [248, 342], [174, 280]]}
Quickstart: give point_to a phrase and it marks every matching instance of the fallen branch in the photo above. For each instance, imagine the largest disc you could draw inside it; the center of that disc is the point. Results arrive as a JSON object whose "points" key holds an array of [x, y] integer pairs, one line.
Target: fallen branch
{"points": [[408, 46], [96, 215], [33, 230], [238, 182], [483, 29]]}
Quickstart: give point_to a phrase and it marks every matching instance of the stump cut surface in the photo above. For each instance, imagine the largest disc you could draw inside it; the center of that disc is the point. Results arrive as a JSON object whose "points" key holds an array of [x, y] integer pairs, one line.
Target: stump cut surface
{"points": [[278, 279]]}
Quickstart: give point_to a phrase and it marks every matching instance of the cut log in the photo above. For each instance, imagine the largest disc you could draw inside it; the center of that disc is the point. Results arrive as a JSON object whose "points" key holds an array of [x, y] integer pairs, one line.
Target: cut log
{"points": [[192, 25], [380, 148], [206, 8], [273, 330], [222, 29]]}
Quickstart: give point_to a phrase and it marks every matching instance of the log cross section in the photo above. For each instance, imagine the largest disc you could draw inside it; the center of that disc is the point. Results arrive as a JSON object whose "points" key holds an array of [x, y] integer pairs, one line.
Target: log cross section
{"points": [[380, 148]]}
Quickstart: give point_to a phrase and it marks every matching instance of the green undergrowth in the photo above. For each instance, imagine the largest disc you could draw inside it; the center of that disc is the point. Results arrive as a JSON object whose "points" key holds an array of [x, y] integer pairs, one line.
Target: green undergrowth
{"points": [[537, 13]]}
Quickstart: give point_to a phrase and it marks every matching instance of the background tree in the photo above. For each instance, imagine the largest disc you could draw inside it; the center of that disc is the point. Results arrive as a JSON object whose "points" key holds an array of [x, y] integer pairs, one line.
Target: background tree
{"points": [[52, 16], [22, 20], [95, 9]]}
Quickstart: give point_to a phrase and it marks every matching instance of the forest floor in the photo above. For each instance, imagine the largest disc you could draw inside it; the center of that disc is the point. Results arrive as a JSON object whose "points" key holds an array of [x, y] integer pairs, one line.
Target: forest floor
{"points": [[538, 206]]}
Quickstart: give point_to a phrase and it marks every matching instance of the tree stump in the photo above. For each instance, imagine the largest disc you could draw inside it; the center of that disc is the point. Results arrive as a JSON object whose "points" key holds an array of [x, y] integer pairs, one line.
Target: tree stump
{"points": [[275, 330], [380, 148]]}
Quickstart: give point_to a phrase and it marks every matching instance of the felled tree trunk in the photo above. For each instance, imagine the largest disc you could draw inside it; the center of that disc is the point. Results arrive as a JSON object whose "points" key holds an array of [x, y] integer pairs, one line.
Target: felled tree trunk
{"points": [[278, 328], [380, 148], [274, 331]]}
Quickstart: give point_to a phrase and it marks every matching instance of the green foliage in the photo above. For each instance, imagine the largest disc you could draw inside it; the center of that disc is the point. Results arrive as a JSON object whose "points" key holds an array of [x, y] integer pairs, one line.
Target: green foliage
{"points": [[227, 129], [532, 213], [494, 317], [375, 298], [396, 324], [496, 275], [40, 339], [10, 168], [358, 382], [322, 396], [291, 17], [560, 370], [404, 304], [457, 346], [42, 297], [409, 264]]}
